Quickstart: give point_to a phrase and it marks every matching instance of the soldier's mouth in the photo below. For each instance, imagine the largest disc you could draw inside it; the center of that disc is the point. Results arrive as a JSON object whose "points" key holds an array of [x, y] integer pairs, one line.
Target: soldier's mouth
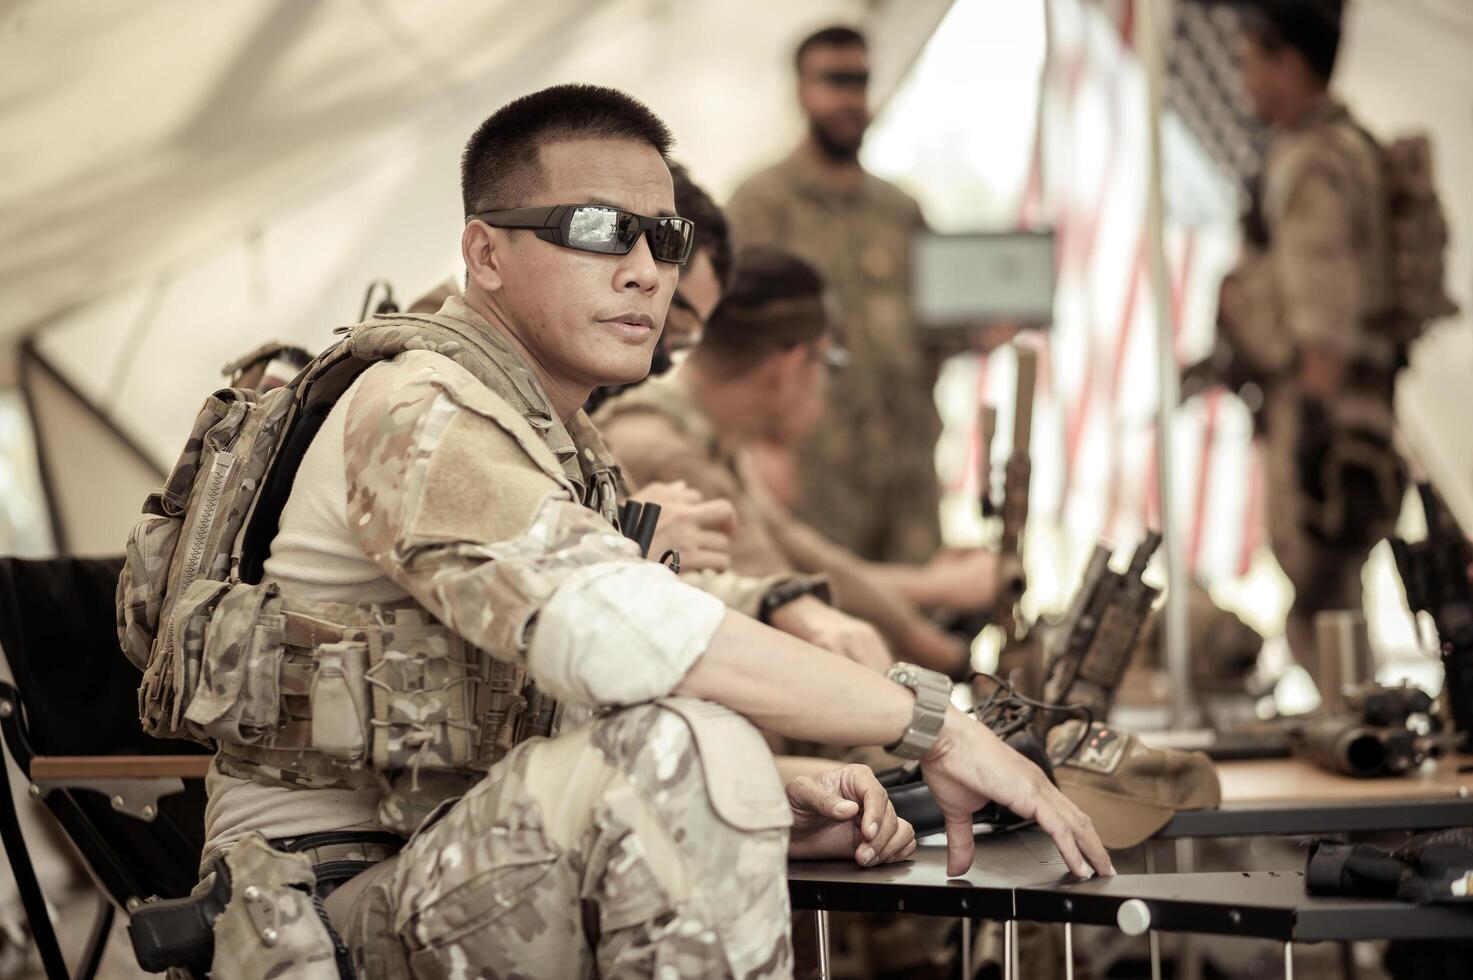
{"points": [[635, 326]]}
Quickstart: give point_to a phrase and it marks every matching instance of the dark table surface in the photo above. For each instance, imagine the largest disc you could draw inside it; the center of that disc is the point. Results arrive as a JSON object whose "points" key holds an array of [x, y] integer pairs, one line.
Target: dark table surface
{"points": [[1286, 797], [1021, 875], [1003, 863], [1260, 904]]}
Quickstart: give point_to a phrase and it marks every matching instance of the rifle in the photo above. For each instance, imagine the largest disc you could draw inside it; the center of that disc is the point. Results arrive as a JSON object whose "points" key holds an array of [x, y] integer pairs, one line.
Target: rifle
{"points": [[1434, 574], [1014, 504], [1016, 477], [1095, 641]]}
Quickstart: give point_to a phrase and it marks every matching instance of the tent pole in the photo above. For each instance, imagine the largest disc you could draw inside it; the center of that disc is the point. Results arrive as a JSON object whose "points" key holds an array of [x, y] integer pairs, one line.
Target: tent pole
{"points": [[1152, 28]]}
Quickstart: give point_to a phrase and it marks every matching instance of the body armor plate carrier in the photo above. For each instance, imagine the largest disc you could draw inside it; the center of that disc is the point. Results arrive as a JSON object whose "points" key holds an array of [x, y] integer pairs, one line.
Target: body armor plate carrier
{"points": [[313, 693]]}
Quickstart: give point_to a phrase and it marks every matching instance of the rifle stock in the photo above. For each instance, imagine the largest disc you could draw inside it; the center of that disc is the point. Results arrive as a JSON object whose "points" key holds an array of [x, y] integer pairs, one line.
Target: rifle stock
{"points": [[1434, 575]]}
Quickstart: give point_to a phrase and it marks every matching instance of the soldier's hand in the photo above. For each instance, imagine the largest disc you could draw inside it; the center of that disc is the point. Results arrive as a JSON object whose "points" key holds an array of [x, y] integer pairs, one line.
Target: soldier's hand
{"points": [[969, 767], [699, 529], [927, 645], [843, 812], [824, 626], [964, 579]]}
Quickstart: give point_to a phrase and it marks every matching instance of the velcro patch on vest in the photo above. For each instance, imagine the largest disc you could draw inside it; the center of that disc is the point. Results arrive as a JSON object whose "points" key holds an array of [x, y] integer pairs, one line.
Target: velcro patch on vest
{"points": [[1102, 752]]}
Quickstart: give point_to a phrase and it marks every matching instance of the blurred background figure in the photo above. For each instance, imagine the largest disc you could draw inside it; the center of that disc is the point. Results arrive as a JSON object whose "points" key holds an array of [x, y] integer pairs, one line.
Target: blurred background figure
{"points": [[1312, 314], [866, 477]]}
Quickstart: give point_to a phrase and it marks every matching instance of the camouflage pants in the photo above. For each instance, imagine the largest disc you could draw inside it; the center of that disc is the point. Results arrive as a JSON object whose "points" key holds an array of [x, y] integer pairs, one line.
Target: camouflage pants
{"points": [[648, 842], [1325, 576]]}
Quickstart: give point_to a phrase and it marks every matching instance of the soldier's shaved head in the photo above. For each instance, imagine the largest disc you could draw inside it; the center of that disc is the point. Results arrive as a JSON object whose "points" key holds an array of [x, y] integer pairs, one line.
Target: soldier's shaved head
{"points": [[501, 166]]}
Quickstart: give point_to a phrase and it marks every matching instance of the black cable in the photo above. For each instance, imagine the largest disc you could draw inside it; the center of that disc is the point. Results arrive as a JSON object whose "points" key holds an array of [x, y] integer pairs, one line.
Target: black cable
{"points": [[1012, 700]]}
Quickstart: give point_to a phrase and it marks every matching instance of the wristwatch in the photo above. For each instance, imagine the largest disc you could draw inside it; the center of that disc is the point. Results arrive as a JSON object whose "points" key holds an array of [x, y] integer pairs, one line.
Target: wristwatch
{"points": [[933, 697], [786, 592]]}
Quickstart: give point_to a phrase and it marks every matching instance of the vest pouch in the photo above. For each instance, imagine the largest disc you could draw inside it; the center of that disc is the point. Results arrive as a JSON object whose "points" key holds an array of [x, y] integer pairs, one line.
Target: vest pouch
{"points": [[173, 670], [169, 550], [273, 926], [341, 701], [237, 698], [423, 695], [145, 576]]}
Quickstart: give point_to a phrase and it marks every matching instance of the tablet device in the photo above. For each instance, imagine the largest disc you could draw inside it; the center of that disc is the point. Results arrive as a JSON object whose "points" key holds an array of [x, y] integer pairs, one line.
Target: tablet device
{"points": [[981, 278]]}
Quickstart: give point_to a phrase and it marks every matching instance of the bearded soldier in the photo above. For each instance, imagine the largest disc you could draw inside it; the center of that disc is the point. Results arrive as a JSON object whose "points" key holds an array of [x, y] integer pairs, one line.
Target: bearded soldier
{"points": [[866, 476]]}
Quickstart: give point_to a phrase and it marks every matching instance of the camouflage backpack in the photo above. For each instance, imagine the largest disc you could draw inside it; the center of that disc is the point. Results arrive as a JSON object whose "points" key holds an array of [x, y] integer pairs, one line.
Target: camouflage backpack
{"points": [[212, 523], [1417, 240]]}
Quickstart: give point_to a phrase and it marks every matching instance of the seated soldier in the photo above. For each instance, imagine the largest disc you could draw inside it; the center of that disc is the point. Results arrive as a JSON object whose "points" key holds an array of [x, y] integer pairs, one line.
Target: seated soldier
{"points": [[759, 372], [457, 476]]}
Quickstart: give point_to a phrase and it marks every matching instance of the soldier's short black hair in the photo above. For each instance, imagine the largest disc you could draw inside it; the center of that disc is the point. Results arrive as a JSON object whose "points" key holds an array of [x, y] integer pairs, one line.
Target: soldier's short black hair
{"points": [[776, 301], [835, 36], [713, 234], [501, 165], [1311, 27]]}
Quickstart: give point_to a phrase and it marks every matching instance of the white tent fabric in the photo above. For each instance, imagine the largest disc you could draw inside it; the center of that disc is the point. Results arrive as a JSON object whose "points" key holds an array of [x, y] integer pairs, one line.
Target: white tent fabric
{"points": [[182, 182]]}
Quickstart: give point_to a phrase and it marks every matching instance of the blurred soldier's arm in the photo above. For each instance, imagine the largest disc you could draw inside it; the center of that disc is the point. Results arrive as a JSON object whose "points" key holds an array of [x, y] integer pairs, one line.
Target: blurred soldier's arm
{"points": [[650, 449], [699, 530], [1317, 274], [860, 591]]}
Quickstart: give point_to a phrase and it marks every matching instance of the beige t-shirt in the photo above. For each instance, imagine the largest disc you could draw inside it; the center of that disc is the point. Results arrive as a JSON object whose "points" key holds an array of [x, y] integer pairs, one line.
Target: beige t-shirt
{"points": [[315, 556]]}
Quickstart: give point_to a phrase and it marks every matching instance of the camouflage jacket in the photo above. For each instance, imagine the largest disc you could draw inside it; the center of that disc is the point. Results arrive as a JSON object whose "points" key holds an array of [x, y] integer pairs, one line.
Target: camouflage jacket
{"points": [[867, 473], [859, 241], [1321, 278], [499, 521]]}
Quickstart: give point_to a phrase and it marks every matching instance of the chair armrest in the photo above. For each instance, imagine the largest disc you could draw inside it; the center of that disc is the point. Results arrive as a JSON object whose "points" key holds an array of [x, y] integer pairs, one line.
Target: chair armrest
{"points": [[66, 767], [132, 783]]}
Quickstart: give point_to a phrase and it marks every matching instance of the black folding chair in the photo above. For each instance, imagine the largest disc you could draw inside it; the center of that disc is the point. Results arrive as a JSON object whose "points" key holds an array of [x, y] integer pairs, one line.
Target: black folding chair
{"points": [[132, 805]]}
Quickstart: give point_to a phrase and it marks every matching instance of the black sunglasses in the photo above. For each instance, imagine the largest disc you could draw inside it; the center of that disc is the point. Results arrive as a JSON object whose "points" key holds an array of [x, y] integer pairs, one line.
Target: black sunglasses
{"points": [[599, 228], [846, 79]]}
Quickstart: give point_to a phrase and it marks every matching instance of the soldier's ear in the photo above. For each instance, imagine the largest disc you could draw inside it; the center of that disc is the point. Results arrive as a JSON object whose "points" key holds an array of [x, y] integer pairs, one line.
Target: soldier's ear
{"points": [[481, 248]]}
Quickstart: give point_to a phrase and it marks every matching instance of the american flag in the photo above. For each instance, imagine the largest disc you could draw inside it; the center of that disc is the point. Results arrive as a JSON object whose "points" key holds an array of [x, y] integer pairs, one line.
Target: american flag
{"points": [[1095, 436]]}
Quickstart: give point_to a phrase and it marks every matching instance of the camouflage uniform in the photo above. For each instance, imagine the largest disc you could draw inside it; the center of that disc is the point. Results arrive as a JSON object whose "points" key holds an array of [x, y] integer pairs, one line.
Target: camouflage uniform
{"points": [[1321, 280], [652, 837], [615, 816], [869, 471], [659, 432]]}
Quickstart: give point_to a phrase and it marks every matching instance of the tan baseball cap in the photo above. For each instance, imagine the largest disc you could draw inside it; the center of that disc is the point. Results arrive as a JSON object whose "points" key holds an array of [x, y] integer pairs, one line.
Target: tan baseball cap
{"points": [[1129, 790]]}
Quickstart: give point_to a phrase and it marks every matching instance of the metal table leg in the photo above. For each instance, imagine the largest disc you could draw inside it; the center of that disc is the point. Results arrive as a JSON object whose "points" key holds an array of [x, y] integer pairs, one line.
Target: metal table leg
{"points": [[1068, 951], [966, 949], [1155, 937], [822, 917], [1288, 961], [1007, 950]]}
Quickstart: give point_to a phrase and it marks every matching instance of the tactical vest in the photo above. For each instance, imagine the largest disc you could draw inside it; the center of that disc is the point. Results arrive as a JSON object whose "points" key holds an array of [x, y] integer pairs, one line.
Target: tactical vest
{"points": [[320, 694]]}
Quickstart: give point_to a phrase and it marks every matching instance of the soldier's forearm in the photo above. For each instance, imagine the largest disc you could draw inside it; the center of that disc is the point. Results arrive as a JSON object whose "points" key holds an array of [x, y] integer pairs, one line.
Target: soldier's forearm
{"points": [[790, 767], [789, 687], [917, 583]]}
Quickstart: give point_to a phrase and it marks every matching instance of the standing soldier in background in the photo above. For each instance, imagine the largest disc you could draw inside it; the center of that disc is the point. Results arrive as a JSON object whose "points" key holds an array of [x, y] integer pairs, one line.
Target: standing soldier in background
{"points": [[1321, 307], [867, 476]]}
